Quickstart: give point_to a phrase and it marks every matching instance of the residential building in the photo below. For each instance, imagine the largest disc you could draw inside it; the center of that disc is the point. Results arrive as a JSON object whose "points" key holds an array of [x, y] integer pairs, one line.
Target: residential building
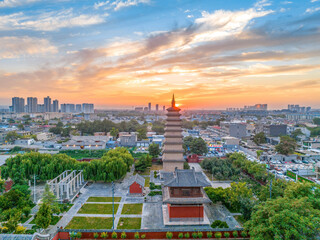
{"points": [[47, 104], [157, 107], [87, 108], [149, 106], [128, 140], [32, 104], [18, 105], [78, 108], [275, 130], [55, 106], [238, 130]]}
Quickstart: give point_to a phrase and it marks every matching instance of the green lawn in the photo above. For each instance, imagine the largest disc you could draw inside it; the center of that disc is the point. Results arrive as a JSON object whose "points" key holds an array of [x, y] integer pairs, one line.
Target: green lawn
{"points": [[129, 223], [98, 208], [147, 182], [90, 223], [132, 208], [103, 199]]}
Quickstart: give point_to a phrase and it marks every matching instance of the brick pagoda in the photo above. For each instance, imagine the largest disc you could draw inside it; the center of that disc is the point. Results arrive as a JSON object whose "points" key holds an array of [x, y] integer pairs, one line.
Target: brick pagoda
{"points": [[172, 151]]}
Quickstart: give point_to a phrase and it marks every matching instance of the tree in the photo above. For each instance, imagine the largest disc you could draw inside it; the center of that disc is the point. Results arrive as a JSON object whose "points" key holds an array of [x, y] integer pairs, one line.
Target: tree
{"points": [[26, 211], [114, 133], [154, 150], [11, 136], [2, 185], [142, 133], [283, 218], [20, 126], [49, 198], [158, 127], [236, 193], [296, 133], [195, 145], [44, 214], [286, 146], [259, 138], [316, 121]]}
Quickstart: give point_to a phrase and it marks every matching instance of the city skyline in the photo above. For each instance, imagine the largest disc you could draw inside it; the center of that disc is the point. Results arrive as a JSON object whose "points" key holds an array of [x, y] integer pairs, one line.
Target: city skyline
{"points": [[117, 54]]}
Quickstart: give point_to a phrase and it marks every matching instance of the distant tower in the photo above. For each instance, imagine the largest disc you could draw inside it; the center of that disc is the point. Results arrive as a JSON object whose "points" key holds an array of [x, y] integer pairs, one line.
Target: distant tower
{"points": [[149, 106], [172, 151], [157, 107], [164, 108]]}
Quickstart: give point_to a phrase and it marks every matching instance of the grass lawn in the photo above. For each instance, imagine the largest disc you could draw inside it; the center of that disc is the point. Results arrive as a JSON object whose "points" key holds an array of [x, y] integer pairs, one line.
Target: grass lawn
{"points": [[147, 182], [98, 208], [129, 223], [132, 208], [90, 223], [103, 199]]}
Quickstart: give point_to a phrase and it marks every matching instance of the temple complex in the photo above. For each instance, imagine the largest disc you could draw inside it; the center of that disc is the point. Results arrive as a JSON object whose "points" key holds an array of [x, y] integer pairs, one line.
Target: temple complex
{"points": [[172, 157], [184, 198]]}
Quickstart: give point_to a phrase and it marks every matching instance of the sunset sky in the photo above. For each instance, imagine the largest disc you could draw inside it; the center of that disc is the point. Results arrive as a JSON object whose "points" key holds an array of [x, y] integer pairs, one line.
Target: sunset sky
{"points": [[212, 54]]}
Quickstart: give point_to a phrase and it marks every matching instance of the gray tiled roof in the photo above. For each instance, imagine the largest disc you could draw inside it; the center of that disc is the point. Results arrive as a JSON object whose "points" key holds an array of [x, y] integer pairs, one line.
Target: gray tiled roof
{"points": [[184, 200], [137, 178], [184, 178]]}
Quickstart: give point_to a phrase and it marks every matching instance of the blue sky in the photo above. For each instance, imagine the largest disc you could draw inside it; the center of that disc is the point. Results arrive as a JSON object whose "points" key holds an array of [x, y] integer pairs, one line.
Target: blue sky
{"points": [[212, 53]]}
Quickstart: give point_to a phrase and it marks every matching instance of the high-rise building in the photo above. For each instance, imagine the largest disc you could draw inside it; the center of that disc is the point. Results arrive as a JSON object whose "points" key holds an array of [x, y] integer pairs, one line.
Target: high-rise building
{"points": [[40, 108], [18, 105], [164, 108], [55, 106], [157, 107], [47, 104], [149, 106], [78, 108], [172, 151], [87, 108], [32, 104]]}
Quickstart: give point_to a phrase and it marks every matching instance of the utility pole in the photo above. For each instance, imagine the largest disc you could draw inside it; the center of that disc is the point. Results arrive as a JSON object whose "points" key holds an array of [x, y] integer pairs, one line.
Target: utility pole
{"points": [[112, 205], [34, 188]]}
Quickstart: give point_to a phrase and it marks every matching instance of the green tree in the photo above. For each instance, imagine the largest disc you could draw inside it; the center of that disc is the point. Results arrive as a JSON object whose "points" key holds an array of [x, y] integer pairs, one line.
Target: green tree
{"points": [[158, 127], [142, 133], [316, 121], [283, 218], [259, 138], [49, 198], [20, 126], [286, 146], [44, 214], [2, 185], [296, 133], [12, 136], [154, 150], [114, 133], [195, 145]]}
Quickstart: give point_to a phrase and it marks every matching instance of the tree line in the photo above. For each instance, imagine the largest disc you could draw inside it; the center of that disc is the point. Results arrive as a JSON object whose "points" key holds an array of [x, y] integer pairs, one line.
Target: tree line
{"points": [[113, 165]]}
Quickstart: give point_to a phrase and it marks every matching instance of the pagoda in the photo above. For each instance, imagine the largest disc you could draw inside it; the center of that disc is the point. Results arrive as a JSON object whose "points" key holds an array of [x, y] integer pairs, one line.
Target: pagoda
{"points": [[172, 157]]}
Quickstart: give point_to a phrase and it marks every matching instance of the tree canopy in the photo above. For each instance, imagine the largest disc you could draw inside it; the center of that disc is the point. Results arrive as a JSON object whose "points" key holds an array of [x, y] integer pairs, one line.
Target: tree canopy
{"points": [[259, 138], [195, 145], [286, 146]]}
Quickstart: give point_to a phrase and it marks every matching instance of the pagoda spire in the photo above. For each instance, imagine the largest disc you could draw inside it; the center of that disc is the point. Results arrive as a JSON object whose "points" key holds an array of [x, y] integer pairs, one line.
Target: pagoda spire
{"points": [[173, 102]]}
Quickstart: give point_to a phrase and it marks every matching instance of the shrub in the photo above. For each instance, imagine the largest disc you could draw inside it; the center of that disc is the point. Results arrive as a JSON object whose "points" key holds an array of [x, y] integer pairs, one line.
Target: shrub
{"points": [[96, 235], [194, 235], [104, 235], [209, 234], [72, 235], [187, 235], [114, 235], [218, 235], [123, 235], [226, 234], [180, 235], [155, 174], [79, 235], [244, 234], [235, 233], [5, 230], [153, 193], [200, 234], [169, 235], [143, 236], [136, 235], [219, 224], [20, 230]]}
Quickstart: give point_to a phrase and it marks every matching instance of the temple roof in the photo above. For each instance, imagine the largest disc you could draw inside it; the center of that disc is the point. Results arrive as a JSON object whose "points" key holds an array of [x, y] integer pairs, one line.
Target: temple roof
{"points": [[185, 178], [138, 179]]}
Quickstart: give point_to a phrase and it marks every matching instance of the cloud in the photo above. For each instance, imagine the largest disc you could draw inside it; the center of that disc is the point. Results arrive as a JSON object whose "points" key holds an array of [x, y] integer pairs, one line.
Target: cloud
{"points": [[15, 3], [49, 21], [314, 1], [15, 47], [312, 9], [118, 4]]}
